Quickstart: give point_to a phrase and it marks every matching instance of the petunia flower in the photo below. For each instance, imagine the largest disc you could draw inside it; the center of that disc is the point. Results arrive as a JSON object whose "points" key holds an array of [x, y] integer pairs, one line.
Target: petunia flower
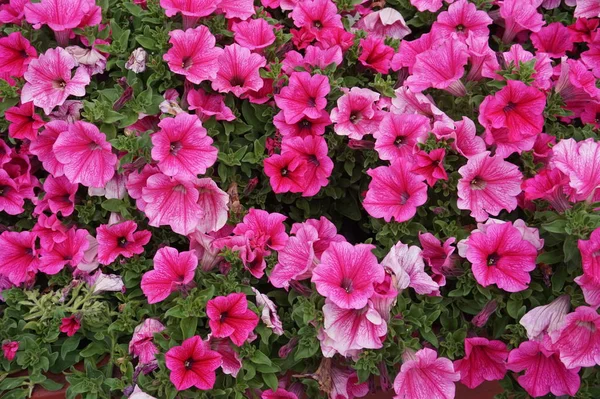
{"points": [[25, 123], [316, 15], [67, 252], [590, 288], [590, 255], [519, 16], [408, 51], [546, 319], [428, 5], [237, 9], [583, 328], [191, 10], [141, 345], [375, 54], [49, 230], [16, 53], [59, 196], [297, 259], [356, 114], [554, 40], [430, 166], [347, 273], [70, 325], [9, 349], [172, 271], [315, 57], [13, 11], [19, 255], [192, 364], [464, 19], [383, 23], [120, 239], [580, 161], [254, 34], [405, 264], [439, 256], [424, 375], [280, 393], [229, 316], [12, 199], [587, 9], [86, 156], [268, 311], [313, 152], [193, 54], [399, 134], [49, 80], [394, 192], [304, 96], [304, 127], [207, 105], [484, 360], [238, 71], [286, 173]]}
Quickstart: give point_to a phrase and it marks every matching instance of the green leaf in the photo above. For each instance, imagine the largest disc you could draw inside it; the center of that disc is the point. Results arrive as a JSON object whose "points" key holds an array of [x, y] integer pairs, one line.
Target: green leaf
{"points": [[69, 345], [271, 381], [95, 348], [260, 358], [51, 385], [11, 383], [556, 226], [147, 42], [113, 205], [188, 326]]}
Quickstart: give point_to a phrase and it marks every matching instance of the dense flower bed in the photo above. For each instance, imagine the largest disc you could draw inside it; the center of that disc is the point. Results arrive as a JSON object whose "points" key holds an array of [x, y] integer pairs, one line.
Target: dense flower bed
{"points": [[299, 198]]}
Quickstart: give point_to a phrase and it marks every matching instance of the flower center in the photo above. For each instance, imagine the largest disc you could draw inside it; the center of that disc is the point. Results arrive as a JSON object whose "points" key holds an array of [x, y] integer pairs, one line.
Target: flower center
{"points": [[187, 62], [284, 172], [404, 198], [312, 158], [354, 117], [510, 106], [188, 363], [94, 146], [180, 188], [460, 27], [347, 285], [312, 102], [493, 259], [59, 84], [223, 317], [237, 81], [304, 124], [317, 24], [175, 147], [4, 190], [400, 141], [587, 324], [478, 183], [122, 242]]}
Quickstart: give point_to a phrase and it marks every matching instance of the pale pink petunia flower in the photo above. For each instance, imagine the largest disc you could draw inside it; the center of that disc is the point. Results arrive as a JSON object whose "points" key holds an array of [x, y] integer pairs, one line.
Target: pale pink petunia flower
{"points": [[297, 259], [215, 204], [484, 360], [582, 327], [229, 316], [587, 9], [406, 264], [580, 161], [237, 9], [304, 96], [383, 23], [49, 80], [63, 15], [268, 311], [255, 34], [546, 319], [399, 134], [172, 271], [19, 255], [92, 60], [356, 114], [141, 345], [424, 375], [428, 5], [193, 54], [314, 57], [394, 192], [238, 71], [409, 102], [488, 185], [231, 359], [86, 156], [519, 16], [16, 53], [193, 364]]}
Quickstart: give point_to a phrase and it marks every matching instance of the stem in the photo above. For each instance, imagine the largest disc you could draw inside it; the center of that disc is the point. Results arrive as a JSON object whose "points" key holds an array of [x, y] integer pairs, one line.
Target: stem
{"points": [[189, 21], [62, 37]]}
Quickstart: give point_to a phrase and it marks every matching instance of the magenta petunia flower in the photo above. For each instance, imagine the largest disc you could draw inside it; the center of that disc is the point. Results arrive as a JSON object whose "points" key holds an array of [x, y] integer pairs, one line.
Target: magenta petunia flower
{"points": [[428, 5], [172, 271], [182, 147], [49, 230], [583, 327], [193, 54], [311, 150], [12, 198], [315, 57], [580, 161], [42, 146], [519, 16], [430, 166], [86, 156], [326, 230], [347, 331], [136, 182], [590, 255], [232, 362], [590, 288], [286, 173], [383, 23], [215, 204], [406, 265], [488, 185], [394, 192], [424, 375], [462, 18], [439, 256], [544, 371], [207, 105], [49, 80], [255, 34], [297, 259], [316, 15], [347, 273], [237, 9], [25, 123], [356, 114], [264, 229], [16, 53], [120, 239], [19, 255], [238, 71], [500, 254], [229, 316], [554, 40], [193, 364], [13, 11], [304, 96], [546, 319], [70, 325], [408, 51], [304, 127], [280, 393], [9, 349], [59, 196], [484, 360], [399, 134], [67, 252], [375, 54], [171, 201], [141, 345], [191, 10]]}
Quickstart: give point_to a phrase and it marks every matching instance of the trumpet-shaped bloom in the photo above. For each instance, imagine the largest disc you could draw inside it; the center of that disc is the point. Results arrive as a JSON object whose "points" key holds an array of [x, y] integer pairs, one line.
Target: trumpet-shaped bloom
{"points": [[488, 185], [544, 371], [193, 54], [590, 255], [193, 364], [13, 11], [120, 239], [347, 274], [60, 15], [171, 201], [430, 166], [189, 8], [67, 252], [16, 53], [238, 71], [268, 311], [554, 40], [312, 151], [356, 114], [590, 288], [394, 192], [232, 362], [86, 156], [255, 34], [264, 229], [375, 54], [519, 16], [304, 127], [462, 18], [25, 123], [182, 147], [406, 264], [50, 82], [316, 15], [296, 259], [399, 134], [587, 9], [426, 376], [42, 147], [172, 271], [286, 173], [60, 195], [19, 255], [141, 344], [484, 360], [215, 204], [11, 198], [383, 23], [229, 316], [207, 105], [237, 9], [583, 328], [546, 319], [304, 96], [438, 255], [580, 161]]}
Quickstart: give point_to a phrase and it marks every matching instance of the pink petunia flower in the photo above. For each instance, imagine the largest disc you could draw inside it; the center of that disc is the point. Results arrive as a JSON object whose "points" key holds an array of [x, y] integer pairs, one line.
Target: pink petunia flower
{"points": [[579, 161], [583, 327], [12, 199], [229, 316], [546, 319], [408, 270], [297, 259], [315, 57], [383, 23], [67, 252], [519, 16], [42, 147], [9, 349], [231, 360], [304, 96], [207, 105], [464, 19], [430, 166], [375, 54], [424, 375], [347, 273], [356, 114], [193, 364], [86, 156], [280, 393], [25, 122], [19, 255], [439, 256], [268, 311], [408, 102], [172, 271], [59, 197], [484, 360], [49, 80], [408, 51], [583, 28], [16, 53], [544, 371], [286, 173], [191, 10], [120, 239], [141, 345], [316, 15], [49, 230], [337, 36], [500, 254], [549, 185], [171, 201], [237, 9], [554, 40], [304, 127], [590, 255], [428, 5], [13, 11], [587, 9], [182, 147], [590, 288], [215, 204], [394, 192], [254, 34], [238, 71], [347, 331], [399, 134], [312, 151], [193, 54], [488, 185], [70, 325]]}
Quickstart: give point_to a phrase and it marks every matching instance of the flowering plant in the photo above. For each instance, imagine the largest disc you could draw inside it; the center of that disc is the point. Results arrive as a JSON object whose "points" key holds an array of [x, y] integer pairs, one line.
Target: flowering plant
{"points": [[299, 198]]}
